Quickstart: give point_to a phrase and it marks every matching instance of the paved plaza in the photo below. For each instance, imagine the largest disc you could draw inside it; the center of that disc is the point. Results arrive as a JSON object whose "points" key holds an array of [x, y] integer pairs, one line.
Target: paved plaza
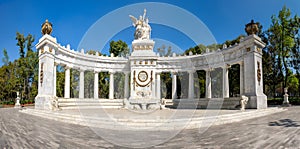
{"points": [[279, 130]]}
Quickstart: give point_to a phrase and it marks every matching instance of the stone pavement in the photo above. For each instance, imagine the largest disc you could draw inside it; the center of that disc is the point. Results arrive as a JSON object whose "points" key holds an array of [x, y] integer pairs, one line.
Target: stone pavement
{"points": [[280, 130]]}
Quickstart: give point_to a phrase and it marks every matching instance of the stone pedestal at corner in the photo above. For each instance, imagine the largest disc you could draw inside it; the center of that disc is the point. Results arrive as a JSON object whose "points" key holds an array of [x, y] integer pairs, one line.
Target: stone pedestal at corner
{"points": [[252, 70], [47, 74]]}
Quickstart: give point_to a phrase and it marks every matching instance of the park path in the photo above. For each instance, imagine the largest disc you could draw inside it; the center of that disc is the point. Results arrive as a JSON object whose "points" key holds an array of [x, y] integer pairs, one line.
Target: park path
{"points": [[280, 130]]}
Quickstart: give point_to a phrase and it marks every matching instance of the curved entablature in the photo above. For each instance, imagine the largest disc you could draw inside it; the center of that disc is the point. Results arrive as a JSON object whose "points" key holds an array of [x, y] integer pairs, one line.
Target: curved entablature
{"points": [[79, 60], [219, 58]]}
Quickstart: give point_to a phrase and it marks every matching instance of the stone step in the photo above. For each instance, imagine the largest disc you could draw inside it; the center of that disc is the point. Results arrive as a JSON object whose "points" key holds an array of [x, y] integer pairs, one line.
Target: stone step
{"points": [[92, 107], [75, 103], [62, 100], [91, 104], [146, 123]]}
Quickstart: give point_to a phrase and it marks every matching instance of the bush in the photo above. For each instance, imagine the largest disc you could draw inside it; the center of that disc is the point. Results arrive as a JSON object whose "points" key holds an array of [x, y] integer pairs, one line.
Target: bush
{"points": [[279, 101], [27, 101], [7, 103]]}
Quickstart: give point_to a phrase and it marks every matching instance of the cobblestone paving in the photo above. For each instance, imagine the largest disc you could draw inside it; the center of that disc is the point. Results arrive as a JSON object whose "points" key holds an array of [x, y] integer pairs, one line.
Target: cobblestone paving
{"points": [[280, 130]]}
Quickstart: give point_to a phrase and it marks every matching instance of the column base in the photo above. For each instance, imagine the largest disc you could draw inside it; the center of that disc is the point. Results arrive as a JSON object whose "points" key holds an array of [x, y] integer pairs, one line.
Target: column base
{"points": [[257, 102], [286, 105], [46, 102]]}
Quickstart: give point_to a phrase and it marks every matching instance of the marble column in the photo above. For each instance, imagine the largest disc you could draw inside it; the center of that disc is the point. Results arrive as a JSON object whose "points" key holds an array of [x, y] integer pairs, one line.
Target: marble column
{"points": [[67, 82], [96, 85], [111, 85], [242, 79], [174, 85], [126, 85], [225, 82], [153, 87], [54, 79], [81, 84], [191, 85], [158, 93], [208, 84]]}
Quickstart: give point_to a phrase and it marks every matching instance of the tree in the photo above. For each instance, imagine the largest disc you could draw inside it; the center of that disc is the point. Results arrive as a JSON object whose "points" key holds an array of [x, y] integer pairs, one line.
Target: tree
{"points": [[21, 44], [199, 49], [281, 41], [119, 48], [26, 66], [162, 51], [5, 59], [293, 84], [234, 80]]}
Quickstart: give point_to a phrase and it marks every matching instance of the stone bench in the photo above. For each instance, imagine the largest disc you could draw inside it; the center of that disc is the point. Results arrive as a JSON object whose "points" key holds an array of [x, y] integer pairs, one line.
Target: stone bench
{"points": [[212, 103]]}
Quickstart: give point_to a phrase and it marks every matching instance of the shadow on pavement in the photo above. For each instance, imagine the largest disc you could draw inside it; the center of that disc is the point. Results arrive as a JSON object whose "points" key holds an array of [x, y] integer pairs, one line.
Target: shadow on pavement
{"points": [[284, 123]]}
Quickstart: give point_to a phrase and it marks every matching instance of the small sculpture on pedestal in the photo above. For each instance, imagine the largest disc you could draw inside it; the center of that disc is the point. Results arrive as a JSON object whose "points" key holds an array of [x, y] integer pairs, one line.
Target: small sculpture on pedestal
{"points": [[286, 102], [251, 28], [46, 28], [17, 104], [243, 102], [54, 104]]}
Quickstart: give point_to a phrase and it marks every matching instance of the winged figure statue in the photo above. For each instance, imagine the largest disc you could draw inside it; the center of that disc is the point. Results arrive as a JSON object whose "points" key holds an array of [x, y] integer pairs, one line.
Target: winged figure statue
{"points": [[142, 27]]}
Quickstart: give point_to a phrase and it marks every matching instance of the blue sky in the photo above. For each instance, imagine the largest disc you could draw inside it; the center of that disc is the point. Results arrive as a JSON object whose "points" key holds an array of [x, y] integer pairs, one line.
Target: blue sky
{"points": [[71, 19]]}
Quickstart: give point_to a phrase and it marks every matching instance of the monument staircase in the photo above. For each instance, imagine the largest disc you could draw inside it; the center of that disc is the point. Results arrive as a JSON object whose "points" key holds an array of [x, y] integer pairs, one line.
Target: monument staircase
{"points": [[143, 122], [75, 103]]}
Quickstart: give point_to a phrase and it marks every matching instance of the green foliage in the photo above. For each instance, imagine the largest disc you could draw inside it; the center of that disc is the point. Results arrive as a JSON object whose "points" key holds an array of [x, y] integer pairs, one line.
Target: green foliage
{"points": [[166, 85], [119, 48], [282, 42], [21, 44], [27, 101], [88, 84], [74, 80], [293, 84], [5, 59], [60, 82], [119, 81], [22, 74], [103, 85], [234, 80], [200, 83]]}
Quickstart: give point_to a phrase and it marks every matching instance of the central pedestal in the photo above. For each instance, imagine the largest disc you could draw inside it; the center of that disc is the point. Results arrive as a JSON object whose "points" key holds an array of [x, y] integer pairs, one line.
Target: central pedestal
{"points": [[143, 63]]}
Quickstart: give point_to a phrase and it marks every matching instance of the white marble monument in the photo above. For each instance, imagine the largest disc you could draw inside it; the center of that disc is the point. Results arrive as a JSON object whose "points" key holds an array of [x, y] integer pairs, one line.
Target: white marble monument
{"points": [[142, 69]]}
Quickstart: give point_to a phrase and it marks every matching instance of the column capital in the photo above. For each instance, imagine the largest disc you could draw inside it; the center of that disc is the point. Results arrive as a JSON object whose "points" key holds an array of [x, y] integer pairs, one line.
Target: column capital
{"points": [[174, 72], [209, 69], [191, 71], [226, 66], [95, 72], [111, 72], [55, 63], [241, 62], [67, 67], [126, 72], [81, 70]]}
